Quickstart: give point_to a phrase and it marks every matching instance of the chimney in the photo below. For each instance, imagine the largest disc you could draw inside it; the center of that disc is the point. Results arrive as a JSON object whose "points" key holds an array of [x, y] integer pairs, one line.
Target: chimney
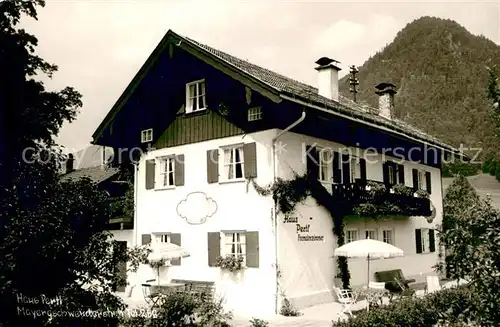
{"points": [[70, 163], [386, 93], [328, 78]]}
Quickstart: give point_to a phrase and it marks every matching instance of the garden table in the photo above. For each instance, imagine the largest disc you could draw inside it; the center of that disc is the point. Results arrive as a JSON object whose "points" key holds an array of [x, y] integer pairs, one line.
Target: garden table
{"points": [[373, 296]]}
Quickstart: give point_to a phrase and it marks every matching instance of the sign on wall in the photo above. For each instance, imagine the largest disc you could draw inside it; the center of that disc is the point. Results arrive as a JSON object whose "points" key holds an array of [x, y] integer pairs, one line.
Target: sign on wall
{"points": [[303, 230], [196, 208]]}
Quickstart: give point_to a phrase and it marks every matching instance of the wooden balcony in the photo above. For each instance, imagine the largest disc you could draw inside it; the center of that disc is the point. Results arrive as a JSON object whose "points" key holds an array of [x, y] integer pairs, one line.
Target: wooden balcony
{"points": [[395, 200]]}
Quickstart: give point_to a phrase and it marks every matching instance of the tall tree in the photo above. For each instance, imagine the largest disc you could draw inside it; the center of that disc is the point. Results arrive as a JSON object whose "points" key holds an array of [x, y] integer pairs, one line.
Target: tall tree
{"points": [[53, 242]]}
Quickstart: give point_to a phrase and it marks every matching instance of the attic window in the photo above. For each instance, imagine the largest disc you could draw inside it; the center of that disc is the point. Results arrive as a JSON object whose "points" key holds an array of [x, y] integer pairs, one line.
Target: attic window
{"points": [[147, 135], [195, 96], [254, 113]]}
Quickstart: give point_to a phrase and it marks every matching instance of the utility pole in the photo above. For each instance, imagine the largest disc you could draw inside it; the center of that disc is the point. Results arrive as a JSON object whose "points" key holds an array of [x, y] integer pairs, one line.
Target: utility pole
{"points": [[353, 81]]}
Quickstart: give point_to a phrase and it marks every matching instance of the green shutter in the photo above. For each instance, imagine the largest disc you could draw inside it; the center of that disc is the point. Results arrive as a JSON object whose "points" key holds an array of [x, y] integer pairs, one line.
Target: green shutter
{"points": [[213, 166], [362, 168], [150, 174], [175, 239], [312, 161], [250, 160], [146, 239], [179, 170], [418, 240], [432, 241], [401, 174], [252, 249], [213, 247], [428, 182], [415, 179]]}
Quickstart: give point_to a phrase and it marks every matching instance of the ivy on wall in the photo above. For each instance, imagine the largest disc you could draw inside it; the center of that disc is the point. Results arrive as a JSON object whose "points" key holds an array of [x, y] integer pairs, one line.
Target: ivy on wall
{"points": [[376, 203], [288, 193]]}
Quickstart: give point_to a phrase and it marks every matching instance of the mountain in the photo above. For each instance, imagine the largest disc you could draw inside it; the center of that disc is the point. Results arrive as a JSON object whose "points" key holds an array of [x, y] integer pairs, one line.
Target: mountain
{"points": [[440, 70]]}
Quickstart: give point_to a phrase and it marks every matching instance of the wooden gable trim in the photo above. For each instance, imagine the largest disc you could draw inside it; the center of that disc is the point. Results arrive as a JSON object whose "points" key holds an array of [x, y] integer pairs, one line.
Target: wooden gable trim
{"points": [[174, 39]]}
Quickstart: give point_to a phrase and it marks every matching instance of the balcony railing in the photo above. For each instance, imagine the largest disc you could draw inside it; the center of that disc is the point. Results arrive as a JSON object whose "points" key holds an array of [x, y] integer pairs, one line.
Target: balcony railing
{"points": [[362, 193]]}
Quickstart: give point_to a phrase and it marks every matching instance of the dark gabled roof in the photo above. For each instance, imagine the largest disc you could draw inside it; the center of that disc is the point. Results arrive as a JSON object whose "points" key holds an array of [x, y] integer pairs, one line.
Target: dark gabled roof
{"points": [[96, 174], [288, 89]]}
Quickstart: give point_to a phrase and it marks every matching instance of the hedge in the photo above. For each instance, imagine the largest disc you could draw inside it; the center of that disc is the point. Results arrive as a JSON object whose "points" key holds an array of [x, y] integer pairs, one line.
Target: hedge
{"points": [[450, 306]]}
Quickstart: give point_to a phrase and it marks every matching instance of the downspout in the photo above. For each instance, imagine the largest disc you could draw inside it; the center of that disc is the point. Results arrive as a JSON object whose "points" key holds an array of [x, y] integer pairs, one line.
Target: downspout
{"points": [[275, 214]]}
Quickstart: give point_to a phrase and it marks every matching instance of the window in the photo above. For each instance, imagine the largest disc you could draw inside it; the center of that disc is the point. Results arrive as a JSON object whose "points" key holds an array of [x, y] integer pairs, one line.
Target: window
{"points": [[160, 238], [425, 241], [195, 96], [254, 113], [233, 163], [371, 234], [387, 236], [234, 244], [347, 162], [351, 235], [163, 238], [421, 180], [167, 171], [325, 161], [392, 174], [147, 135]]}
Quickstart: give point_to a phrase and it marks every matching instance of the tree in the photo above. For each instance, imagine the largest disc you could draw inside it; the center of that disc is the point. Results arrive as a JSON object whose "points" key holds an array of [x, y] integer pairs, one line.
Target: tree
{"points": [[471, 234], [53, 239]]}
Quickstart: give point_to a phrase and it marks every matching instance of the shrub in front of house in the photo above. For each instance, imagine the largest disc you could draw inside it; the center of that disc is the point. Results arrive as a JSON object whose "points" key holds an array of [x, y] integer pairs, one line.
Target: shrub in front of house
{"points": [[288, 309], [183, 310], [451, 307]]}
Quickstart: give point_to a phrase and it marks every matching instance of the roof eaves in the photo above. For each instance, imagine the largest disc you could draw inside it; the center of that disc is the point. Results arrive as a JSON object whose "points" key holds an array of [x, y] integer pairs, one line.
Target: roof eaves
{"points": [[337, 108]]}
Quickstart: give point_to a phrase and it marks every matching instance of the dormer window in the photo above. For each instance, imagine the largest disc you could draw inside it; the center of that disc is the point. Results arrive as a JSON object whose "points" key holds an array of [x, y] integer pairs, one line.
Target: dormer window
{"points": [[254, 113], [147, 135], [195, 96]]}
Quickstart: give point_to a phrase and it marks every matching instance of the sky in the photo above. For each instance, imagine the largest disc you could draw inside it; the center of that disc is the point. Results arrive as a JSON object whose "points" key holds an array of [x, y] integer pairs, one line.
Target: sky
{"points": [[100, 45]]}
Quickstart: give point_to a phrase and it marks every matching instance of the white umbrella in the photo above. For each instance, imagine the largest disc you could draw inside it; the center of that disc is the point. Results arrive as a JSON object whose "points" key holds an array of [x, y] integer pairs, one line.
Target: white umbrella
{"points": [[166, 251], [369, 249]]}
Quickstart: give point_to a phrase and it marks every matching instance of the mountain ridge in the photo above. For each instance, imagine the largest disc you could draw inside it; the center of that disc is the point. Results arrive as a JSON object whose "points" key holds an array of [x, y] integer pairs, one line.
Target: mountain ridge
{"points": [[440, 70]]}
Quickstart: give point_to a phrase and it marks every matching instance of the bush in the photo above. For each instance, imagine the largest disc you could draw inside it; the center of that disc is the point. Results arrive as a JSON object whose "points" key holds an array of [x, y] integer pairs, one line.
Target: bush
{"points": [[258, 323], [184, 310], [452, 306], [288, 310]]}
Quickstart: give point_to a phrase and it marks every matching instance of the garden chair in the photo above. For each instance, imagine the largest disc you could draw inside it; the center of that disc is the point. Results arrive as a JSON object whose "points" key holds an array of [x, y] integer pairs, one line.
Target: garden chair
{"points": [[151, 298], [378, 289], [347, 298], [405, 290], [432, 284]]}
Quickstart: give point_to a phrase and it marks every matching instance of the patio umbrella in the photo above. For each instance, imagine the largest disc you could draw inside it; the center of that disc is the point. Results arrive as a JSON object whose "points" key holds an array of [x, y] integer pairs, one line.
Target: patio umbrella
{"points": [[166, 251], [369, 249]]}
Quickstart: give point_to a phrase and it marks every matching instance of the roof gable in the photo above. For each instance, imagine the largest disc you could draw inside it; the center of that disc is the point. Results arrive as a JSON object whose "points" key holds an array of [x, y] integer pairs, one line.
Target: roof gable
{"points": [[274, 86]]}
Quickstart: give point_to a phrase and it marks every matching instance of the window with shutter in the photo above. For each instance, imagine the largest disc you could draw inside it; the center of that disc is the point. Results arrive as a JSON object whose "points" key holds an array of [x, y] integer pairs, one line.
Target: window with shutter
{"points": [[233, 164], [325, 165], [421, 180], [425, 240]]}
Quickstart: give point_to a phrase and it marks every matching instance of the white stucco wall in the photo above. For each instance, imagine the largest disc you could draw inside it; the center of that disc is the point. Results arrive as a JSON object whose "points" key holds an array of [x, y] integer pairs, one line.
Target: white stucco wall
{"points": [[239, 207], [308, 268]]}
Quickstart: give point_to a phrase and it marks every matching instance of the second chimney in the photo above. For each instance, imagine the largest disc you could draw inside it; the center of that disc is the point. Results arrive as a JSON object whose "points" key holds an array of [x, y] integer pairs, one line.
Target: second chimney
{"points": [[386, 93], [328, 78]]}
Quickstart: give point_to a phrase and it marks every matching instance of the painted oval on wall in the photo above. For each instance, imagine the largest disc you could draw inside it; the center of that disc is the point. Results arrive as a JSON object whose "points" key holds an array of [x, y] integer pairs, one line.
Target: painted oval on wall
{"points": [[196, 208]]}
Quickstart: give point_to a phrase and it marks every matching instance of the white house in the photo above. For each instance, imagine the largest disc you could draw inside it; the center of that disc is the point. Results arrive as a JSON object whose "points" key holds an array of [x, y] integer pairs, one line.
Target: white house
{"points": [[202, 126]]}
